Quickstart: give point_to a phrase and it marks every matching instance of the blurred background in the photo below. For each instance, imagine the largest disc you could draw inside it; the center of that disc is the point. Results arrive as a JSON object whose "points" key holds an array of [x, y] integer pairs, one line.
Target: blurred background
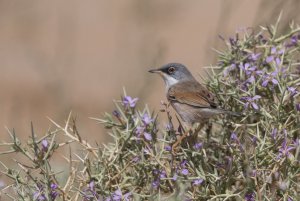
{"points": [[57, 56]]}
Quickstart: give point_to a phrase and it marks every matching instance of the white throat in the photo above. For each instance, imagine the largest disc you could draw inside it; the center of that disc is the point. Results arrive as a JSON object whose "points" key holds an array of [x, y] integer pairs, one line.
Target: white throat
{"points": [[169, 81]]}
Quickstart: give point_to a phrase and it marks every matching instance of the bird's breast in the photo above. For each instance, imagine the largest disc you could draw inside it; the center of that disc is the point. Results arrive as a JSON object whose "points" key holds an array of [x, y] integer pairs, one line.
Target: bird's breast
{"points": [[191, 114]]}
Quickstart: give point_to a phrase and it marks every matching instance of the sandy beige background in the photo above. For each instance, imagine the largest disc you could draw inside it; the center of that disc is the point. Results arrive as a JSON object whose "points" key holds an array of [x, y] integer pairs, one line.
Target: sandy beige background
{"points": [[63, 55]]}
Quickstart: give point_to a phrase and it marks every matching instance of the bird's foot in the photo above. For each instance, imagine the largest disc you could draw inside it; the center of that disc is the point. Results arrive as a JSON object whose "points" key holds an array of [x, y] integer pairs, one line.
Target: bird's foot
{"points": [[179, 140]]}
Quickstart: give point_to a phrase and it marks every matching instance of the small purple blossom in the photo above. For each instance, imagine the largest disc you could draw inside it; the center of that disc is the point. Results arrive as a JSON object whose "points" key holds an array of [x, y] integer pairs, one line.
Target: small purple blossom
{"points": [[250, 196], [129, 101], [229, 69], [183, 163], [146, 119], [197, 182], [174, 178], [53, 192], [298, 107], [274, 133], [252, 72], [254, 57], [269, 59], [45, 145], [278, 61], [155, 184], [251, 101], [234, 137], [116, 113], [293, 41], [136, 159], [168, 148], [39, 194], [139, 130], [274, 55], [118, 196], [293, 91], [284, 150], [162, 174], [148, 136], [198, 146], [169, 127], [185, 171], [270, 77]]}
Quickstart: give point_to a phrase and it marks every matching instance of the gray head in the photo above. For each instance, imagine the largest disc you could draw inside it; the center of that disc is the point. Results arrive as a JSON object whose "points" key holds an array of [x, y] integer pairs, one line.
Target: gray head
{"points": [[173, 73]]}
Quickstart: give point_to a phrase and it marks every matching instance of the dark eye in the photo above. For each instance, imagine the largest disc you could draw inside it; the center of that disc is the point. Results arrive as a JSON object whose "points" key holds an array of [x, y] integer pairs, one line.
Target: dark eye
{"points": [[171, 70]]}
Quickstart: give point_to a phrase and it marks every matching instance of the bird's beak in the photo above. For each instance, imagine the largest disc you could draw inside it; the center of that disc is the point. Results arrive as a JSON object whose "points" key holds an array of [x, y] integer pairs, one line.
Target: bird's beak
{"points": [[154, 71]]}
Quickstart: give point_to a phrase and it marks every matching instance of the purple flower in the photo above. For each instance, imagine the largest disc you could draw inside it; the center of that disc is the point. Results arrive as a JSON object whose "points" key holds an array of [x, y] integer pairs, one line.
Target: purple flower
{"points": [[293, 91], [293, 41], [162, 174], [234, 137], [128, 101], [174, 178], [251, 101], [254, 57], [274, 133], [155, 184], [198, 146], [53, 192], [278, 61], [117, 196], [229, 69], [116, 113], [269, 59], [183, 163], [45, 145], [197, 182], [92, 185], [252, 72], [148, 136], [39, 194], [298, 107], [185, 171], [146, 119], [169, 127], [270, 77], [250, 196], [168, 148], [284, 150], [139, 130], [274, 55], [136, 159]]}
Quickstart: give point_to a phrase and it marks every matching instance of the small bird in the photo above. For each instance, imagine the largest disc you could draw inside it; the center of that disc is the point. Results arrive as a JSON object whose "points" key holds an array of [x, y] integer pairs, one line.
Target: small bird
{"points": [[193, 102]]}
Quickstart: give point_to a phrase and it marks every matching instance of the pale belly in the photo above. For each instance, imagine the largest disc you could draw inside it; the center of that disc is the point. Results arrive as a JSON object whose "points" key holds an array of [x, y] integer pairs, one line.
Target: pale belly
{"points": [[192, 114]]}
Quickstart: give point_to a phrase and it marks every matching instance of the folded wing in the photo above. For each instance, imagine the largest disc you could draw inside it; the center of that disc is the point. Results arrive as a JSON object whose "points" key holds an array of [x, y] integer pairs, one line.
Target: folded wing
{"points": [[192, 93]]}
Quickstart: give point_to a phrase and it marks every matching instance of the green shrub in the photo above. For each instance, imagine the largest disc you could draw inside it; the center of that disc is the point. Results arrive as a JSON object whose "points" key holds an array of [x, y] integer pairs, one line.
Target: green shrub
{"points": [[254, 157]]}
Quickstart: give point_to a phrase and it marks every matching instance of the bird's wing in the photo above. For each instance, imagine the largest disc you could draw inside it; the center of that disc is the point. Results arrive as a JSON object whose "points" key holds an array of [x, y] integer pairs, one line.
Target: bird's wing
{"points": [[191, 93]]}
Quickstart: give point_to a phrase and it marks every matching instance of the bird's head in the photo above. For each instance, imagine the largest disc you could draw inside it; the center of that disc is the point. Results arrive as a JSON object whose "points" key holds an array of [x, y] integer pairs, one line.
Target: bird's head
{"points": [[172, 73]]}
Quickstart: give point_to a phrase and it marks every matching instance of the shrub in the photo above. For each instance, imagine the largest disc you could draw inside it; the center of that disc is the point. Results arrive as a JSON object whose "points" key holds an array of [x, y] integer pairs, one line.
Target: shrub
{"points": [[254, 157]]}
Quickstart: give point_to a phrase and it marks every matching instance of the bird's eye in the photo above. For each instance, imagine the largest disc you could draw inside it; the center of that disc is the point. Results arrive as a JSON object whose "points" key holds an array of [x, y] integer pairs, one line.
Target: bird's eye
{"points": [[171, 70]]}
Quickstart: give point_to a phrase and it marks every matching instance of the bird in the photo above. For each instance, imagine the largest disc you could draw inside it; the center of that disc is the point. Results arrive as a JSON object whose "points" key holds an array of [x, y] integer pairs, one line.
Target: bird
{"points": [[192, 101]]}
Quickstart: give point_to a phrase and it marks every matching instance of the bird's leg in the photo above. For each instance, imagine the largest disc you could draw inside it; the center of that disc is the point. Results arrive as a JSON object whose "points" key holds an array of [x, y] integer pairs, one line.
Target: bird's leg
{"points": [[179, 140], [195, 132], [208, 130]]}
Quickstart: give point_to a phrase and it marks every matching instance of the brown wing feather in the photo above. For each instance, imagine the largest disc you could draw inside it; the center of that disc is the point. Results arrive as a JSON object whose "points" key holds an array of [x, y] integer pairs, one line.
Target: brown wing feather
{"points": [[191, 93]]}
